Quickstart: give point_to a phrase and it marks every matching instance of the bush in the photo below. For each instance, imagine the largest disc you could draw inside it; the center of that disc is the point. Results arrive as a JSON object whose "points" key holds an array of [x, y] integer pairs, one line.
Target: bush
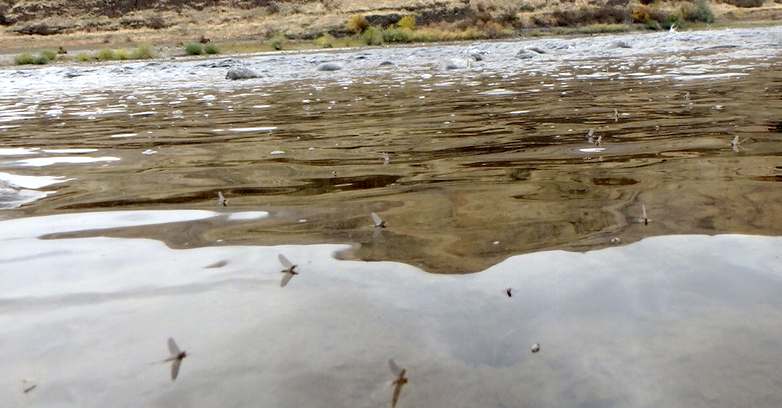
{"points": [[407, 22], [83, 56], [700, 11], [325, 41], [105, 54], [392, 35], [194, 49], [211, 49], [745, 3], [143, 51], [277, 42], [48, 55], [372, 36], [24, 59], [357, 23], [122, 54]]}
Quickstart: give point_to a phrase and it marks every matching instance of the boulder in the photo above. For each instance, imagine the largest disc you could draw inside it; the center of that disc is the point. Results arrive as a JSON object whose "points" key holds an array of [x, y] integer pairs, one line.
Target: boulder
{"points": [[329, 66], [241, 73]]}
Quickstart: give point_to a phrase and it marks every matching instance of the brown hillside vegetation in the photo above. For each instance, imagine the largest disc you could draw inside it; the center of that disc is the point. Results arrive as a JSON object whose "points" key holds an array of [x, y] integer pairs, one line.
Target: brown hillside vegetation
{"points": [[27, 23]]}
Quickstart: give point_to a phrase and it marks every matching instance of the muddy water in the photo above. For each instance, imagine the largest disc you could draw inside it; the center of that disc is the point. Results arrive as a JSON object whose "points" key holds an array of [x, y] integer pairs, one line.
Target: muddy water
{"points": [[486, 161]]}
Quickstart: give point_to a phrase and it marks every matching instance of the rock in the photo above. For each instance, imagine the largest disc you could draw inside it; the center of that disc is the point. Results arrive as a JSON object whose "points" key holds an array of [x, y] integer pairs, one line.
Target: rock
{"points": [[525, 54], [223, 63], [386, 63], [241, 73], [537, 50], [622, 44], [455, 63], [329, 66]]}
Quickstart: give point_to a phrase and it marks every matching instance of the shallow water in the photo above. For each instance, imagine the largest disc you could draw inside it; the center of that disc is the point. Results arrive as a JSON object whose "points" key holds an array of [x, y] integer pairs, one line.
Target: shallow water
{"points": [[112, 239], [484, 162]]}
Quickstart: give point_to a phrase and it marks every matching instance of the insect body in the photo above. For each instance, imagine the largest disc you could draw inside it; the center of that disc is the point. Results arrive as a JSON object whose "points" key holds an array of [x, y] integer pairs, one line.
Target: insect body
{"points": [[289, 271], [399, 382], [176, 357]]}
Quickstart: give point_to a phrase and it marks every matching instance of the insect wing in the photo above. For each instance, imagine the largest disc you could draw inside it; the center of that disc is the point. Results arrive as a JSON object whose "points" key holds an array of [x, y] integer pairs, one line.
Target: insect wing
{"points": [[643, 208], [394, 368], [376, 218], [172, 347], [175, 368], [284, 261], [591, 132], [735, 141], [286, 279]]}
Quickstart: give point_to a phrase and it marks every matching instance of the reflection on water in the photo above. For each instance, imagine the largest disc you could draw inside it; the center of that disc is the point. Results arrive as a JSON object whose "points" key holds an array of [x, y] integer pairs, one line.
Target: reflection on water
{"points": [[467, 166], [688, 321]]}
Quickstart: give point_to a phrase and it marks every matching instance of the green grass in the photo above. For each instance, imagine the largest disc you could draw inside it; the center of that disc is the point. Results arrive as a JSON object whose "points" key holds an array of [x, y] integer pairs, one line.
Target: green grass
{"points": [[122, 54], [211, 49], [48, 55], [143, 51], [83, 56], [105, 54], [194, 49], [277, 42]]}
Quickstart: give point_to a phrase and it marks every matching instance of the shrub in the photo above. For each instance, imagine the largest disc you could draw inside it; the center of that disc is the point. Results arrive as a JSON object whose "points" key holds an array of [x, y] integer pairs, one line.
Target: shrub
{"points": [[122, 54], [24, 59], [407, 22], [105, 54], [83, 56], [357, 23], [325, 41], [49, 55], [277, 42], [194, 49], [211, 49], [641, 14], [372, 35], [653, 25], [700, 11], [673, 18], [143, 51], [391, 35]]}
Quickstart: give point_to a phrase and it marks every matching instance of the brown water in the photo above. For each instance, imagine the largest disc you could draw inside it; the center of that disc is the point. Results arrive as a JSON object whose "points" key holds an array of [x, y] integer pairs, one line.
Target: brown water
{"points": [[482, 166]]}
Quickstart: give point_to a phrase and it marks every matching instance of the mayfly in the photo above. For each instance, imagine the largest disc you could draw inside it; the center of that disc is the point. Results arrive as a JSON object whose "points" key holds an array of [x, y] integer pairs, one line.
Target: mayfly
{"points": [[289, 271], [399, 382], [644, 219], [29, 385], [535, 348], [176, 358], [736, 143], [221, 201], [386, 159], [509, 292], [590, 139], [616, 115], [599, 140], [379, 223]]}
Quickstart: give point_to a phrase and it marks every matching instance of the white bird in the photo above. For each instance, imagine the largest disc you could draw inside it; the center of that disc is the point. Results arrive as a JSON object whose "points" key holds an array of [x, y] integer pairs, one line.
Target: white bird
{"points": [[644, 219], [176, 357], [289, 270], [379, 223], [221, 200], [672, 29], [399, 382]]}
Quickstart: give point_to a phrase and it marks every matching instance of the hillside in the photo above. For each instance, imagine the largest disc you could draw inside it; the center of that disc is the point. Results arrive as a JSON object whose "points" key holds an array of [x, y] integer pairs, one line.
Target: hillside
{"points": [[28, 23]]}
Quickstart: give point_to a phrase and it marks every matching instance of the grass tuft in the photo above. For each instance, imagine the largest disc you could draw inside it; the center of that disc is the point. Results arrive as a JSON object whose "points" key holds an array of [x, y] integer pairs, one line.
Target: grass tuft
{"points": [[143, 51], [277, 42], [83, 56], [105, 54], [407, 22], [211, 49], [48, 55], [194, 49], [373, 35]]}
